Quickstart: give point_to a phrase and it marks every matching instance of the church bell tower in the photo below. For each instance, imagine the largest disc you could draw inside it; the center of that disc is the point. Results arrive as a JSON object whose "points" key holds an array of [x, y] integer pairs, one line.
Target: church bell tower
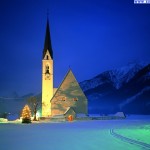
{"points": [[47, 74]]}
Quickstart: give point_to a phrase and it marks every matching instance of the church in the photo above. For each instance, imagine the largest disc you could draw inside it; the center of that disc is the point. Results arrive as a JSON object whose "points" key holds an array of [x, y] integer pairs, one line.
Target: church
{"points": [[68, 99]]}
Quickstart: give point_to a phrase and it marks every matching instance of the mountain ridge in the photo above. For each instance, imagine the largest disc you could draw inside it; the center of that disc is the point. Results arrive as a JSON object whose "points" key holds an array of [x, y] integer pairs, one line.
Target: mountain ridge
{"points": [[108, 90]]}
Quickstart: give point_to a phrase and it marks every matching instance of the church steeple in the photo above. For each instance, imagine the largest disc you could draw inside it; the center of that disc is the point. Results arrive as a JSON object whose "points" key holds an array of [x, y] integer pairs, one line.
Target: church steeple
{"points": [[47, 74], [47, 44]]}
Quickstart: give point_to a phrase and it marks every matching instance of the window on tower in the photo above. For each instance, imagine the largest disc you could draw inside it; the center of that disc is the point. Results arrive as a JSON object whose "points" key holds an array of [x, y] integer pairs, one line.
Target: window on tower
{"points": [[47, 69], [47, 57]]}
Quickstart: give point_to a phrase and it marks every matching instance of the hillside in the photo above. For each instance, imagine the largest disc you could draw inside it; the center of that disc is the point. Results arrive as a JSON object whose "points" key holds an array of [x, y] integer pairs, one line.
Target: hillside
{"points": [[125, 89]]}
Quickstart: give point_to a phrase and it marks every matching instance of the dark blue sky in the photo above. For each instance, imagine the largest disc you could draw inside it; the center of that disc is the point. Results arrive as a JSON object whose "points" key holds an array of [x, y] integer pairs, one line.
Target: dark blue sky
{"points": [[91, 36]]}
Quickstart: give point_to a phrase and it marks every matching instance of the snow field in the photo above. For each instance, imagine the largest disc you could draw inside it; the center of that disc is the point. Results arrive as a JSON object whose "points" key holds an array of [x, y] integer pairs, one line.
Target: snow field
{"points": [[140, 133], [78, 135]]}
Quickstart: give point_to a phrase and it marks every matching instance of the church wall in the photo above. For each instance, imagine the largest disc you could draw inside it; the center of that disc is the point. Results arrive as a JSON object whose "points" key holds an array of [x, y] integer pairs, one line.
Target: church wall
{"points": [[59, 106]]}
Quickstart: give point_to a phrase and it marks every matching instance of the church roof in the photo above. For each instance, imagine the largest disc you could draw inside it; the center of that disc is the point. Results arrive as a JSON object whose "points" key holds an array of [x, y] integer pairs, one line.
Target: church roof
{"points": [[69, 84], [69, 108], [47, 44]]}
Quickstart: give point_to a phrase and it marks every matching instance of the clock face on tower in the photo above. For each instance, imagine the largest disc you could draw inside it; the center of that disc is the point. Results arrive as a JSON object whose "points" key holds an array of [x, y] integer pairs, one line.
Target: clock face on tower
{"points": [[47, 76]]}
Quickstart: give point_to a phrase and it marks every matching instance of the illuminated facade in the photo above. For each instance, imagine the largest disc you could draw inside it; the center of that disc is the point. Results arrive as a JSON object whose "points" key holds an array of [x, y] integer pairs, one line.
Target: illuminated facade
{"points": [[68, 99], [47, 75]]}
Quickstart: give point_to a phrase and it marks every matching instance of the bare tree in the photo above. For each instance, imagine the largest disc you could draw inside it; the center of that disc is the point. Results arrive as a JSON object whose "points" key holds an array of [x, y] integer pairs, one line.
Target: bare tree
{"points": [[34, 104]]}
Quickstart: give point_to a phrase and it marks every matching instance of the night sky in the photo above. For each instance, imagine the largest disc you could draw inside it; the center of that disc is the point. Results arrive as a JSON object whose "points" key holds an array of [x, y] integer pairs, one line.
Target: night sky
{"points": [[90, 36]]}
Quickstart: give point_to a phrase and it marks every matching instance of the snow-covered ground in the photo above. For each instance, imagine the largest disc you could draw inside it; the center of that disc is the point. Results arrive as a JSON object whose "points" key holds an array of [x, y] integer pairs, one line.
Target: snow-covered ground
{"points": [[77, 135]]}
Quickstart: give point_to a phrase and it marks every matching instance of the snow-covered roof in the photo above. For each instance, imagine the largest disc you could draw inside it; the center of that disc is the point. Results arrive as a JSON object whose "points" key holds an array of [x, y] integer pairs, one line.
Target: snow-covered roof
{"points": [[120, 114], [58, 116], [67, 110]]}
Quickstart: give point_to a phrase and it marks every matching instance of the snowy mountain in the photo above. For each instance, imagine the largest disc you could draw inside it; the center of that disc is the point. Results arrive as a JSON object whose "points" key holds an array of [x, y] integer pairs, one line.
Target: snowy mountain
{"points": [[125, 89], [116, 77]]}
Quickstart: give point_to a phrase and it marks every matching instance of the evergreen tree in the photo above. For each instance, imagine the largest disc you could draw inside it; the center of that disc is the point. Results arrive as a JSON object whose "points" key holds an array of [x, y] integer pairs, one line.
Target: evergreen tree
{"points": [[26, 114]]}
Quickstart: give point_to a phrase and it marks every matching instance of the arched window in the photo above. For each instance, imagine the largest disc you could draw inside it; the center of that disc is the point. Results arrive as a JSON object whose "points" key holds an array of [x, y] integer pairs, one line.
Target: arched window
{"points": [[47, 69], [47, 57], [63, 98]]}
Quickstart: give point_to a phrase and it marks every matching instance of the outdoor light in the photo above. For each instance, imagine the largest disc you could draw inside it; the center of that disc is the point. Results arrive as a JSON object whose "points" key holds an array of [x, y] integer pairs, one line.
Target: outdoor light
{"points": [[37, 115]]}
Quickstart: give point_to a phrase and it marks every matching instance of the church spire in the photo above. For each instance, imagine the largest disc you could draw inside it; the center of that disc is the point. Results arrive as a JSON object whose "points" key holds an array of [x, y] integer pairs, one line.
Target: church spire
{"points": [[47, 44]]}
